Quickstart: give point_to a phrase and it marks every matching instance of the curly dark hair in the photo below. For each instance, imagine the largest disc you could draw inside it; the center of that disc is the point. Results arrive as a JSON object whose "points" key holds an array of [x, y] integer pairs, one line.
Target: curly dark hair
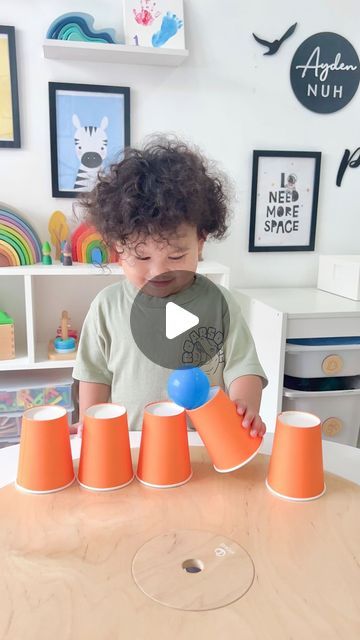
{"points": [[153, 190]]}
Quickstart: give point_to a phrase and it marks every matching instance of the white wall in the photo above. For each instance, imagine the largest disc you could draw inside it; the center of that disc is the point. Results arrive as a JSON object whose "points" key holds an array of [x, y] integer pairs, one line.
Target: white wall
{"points": [[227, 98]]}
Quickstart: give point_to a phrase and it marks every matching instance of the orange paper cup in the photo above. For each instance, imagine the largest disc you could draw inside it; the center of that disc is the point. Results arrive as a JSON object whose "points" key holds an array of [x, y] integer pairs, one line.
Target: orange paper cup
{"points": [[164, 458], [105, 457], [45, 461], [296, 464], [229, 445]]}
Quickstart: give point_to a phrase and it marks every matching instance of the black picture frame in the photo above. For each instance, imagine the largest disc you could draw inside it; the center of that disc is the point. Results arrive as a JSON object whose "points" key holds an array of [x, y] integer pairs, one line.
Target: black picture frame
{"points": [[65, 100], [8, 33], [291, 227]]}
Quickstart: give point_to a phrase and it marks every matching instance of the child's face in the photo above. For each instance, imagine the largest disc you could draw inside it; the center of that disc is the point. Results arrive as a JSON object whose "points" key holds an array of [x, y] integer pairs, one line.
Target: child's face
{"points": [[163, 267]]}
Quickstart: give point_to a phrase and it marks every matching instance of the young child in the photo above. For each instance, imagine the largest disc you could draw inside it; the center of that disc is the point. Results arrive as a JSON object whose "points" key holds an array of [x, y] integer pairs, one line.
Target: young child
{"points": [[157, 206]]}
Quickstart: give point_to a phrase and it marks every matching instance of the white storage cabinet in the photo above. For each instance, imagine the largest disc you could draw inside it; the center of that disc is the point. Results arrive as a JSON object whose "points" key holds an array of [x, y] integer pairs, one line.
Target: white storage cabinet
{"points": [[276, 315]]}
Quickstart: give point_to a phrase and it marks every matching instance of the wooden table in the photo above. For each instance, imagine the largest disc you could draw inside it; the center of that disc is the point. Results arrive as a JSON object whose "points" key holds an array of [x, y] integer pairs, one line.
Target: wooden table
{"points": [[66, 559]]}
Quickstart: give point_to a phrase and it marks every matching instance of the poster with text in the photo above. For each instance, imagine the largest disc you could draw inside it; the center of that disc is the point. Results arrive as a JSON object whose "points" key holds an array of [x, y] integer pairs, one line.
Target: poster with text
{"points": [[284, 201]]}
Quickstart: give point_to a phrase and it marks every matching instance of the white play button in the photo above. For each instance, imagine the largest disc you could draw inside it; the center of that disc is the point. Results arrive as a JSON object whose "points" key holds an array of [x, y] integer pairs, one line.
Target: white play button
{"points": [[182, 322], [178, 320]]}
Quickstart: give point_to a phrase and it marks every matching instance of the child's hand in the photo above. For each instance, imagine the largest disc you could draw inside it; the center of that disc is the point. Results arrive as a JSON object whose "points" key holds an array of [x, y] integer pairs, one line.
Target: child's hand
{"points": [[251, 419], [76, 428]]}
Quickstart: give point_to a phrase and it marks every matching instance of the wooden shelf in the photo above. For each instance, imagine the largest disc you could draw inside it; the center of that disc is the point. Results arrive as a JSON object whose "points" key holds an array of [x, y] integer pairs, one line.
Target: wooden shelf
{"points": [[120, 53]]}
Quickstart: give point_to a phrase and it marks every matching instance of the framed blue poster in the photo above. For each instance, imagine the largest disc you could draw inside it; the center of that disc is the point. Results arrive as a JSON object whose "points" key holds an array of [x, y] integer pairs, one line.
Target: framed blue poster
{"points": [[89, 130]]}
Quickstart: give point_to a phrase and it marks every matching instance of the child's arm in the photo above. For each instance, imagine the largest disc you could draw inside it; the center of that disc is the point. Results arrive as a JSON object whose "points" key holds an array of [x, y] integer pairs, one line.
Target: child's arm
{"points": [[89, 393], [246, 391]]}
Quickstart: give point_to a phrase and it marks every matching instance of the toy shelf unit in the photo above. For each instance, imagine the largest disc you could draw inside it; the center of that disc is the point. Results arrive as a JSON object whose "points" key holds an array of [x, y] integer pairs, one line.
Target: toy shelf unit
{"points": [[308, 342], [35, 296], [120, 53]]}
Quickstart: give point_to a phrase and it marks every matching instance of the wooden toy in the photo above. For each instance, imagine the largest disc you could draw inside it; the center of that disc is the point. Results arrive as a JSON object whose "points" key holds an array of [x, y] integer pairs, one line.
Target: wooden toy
{"points": [[66, 254], [63, 347], [19, 243], [59, 231], [79, 26], [72, 333], [89, 246], [7, 339], [46, 253], [61, 251]]}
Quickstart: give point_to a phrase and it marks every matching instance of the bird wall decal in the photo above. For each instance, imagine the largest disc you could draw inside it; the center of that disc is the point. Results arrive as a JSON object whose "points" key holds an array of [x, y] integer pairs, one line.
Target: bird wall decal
{"points": [[276, 44]]}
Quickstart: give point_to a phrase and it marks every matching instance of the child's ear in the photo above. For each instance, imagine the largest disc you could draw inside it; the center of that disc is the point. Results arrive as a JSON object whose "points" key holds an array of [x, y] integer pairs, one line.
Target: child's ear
{"points": [[201, 243], [202, 240], [119, 252]]}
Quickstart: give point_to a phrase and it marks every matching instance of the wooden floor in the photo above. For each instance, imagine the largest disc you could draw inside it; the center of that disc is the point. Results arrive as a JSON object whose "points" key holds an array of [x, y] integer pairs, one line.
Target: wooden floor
{"points": [[66, 560]]}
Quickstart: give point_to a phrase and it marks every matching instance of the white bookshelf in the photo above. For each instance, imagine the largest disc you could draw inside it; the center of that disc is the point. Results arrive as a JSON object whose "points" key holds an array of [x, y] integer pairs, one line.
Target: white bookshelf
{"points": [[106, 52], [35, 296]]}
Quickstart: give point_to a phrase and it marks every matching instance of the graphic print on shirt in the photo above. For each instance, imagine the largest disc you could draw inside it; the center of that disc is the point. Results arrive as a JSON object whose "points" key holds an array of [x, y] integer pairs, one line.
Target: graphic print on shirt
{"points": [[204, 346]]}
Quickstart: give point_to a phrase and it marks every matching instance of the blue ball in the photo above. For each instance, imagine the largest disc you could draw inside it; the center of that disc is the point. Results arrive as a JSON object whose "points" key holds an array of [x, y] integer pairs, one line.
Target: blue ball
{"points": [[188, 387]]}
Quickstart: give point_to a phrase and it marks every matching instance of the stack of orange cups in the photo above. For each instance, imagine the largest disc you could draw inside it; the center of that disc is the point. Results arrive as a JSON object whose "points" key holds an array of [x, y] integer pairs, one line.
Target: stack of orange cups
{"points": [[229, 444], [45, 462], [105, 458], [164, 458], [296, 465]]}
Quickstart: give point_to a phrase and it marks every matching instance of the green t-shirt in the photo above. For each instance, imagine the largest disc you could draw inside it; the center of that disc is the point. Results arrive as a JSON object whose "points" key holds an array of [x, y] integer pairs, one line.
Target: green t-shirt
{"points": [[108, 353]]}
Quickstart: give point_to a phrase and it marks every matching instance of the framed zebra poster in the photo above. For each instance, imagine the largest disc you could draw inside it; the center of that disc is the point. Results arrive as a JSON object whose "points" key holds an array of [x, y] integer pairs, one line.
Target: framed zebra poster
{"points": [[9, 102], [89, 129]]}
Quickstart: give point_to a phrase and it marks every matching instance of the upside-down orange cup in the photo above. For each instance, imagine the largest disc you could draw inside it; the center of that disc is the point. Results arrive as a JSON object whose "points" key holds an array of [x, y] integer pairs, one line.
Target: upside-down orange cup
{"points": [[105, 457], [164, 458], [229, 444], [45, 462], [296, 464]]}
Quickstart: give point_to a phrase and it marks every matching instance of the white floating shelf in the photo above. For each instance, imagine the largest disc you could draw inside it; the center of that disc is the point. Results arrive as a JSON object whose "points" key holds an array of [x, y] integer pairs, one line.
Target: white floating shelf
{"points": [[121, 53], [57, 269], [84, 269]]}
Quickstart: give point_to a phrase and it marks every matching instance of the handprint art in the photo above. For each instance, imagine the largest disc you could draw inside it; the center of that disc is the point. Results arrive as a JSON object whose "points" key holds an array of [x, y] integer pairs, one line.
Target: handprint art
{"points": [[147, 13]]}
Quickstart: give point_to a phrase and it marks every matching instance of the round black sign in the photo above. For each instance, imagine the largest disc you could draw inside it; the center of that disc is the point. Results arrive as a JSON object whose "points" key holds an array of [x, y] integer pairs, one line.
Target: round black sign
{"points": [[325, 72], [187, 328]]}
